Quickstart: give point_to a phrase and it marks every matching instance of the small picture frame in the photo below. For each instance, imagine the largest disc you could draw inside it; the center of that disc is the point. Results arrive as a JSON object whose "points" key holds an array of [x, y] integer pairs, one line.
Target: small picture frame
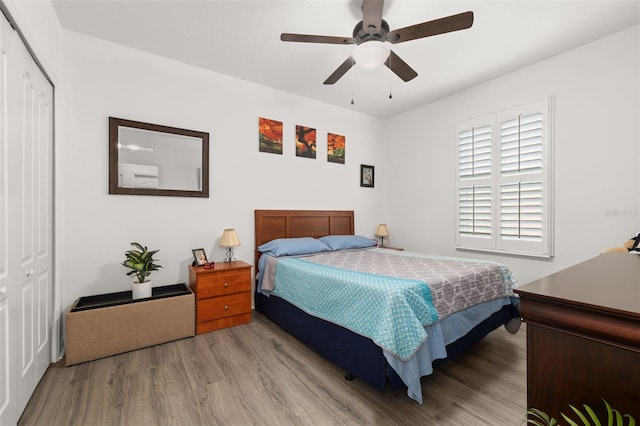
{"points": [[366, 176], [200, 257]]}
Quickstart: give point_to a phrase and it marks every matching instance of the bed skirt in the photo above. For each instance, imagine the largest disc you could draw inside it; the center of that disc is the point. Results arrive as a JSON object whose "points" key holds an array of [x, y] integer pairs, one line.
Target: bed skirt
{"points": [[356, 354]]}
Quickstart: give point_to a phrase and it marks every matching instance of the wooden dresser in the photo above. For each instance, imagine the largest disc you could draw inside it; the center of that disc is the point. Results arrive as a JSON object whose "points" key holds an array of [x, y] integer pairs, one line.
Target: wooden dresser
{"points": [[583, 336], [223, 295]]}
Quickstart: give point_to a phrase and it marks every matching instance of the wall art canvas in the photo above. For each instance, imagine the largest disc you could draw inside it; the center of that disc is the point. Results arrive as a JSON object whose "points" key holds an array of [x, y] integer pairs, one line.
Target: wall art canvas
{"points": [[305, 142], [335, 148], [270, 133]]}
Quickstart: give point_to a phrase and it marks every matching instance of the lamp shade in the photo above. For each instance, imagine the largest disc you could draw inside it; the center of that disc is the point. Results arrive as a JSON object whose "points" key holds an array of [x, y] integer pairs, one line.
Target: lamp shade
{"points": [[382, 230], [229, 238], [371, 54]]}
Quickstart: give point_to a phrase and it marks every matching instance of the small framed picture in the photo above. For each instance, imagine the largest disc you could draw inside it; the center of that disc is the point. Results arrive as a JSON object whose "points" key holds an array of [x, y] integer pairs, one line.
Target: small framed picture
{"points": [[200, 257], [366, 175]]}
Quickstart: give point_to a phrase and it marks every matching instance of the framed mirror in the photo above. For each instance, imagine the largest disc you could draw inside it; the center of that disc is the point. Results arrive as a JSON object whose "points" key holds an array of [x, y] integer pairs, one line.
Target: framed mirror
{"points": [[150, 159]]}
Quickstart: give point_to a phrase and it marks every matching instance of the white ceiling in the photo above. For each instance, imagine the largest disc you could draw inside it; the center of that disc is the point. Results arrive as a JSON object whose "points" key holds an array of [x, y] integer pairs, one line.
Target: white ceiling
{"points": [[242, 39]]}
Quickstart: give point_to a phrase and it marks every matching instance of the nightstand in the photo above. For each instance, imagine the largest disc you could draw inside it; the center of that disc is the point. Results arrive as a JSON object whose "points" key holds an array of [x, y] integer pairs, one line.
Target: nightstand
{"points": [[223, 295]]}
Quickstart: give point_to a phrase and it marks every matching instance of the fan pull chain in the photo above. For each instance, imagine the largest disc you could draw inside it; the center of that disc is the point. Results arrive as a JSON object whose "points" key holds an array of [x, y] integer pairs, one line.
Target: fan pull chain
{"points": [[390, 76], [352, 72]]}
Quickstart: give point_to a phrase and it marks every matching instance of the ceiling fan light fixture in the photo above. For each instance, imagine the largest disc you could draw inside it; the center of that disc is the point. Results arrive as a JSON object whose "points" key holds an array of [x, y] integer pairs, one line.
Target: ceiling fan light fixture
{"points": [[371, 54]]}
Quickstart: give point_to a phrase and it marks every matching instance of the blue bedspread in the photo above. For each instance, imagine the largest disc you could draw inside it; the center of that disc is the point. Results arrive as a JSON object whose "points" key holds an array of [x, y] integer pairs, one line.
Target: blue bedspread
{"points": [[393, 312]]}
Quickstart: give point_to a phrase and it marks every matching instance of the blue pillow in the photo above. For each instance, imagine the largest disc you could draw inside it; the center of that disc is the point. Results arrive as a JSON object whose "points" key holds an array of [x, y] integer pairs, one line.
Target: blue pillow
{"points": [[293, 246], [342, 242]]}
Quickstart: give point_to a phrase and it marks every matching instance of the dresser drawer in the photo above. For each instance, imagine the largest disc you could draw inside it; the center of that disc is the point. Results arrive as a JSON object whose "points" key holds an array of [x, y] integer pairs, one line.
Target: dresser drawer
{"points": [[220, 323], [223, 306], [222, 283]]}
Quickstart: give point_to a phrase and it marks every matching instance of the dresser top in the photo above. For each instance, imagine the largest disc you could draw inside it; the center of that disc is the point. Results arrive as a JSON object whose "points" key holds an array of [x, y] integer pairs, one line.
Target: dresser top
{"points": [[608, 282]]}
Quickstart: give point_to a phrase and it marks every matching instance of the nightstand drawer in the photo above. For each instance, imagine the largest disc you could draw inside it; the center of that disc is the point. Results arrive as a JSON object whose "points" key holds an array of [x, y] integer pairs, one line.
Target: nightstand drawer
{"points": [[224, 306], [223, 283], [220, 323]]}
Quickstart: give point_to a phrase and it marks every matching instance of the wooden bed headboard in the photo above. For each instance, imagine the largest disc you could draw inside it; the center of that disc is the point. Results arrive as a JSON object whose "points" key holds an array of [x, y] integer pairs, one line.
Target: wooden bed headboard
{"points": [[272, 224]]}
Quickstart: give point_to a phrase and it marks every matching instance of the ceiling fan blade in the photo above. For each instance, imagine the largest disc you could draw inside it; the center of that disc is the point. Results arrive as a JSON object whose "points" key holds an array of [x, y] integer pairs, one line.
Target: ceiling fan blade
{"points": [[372, 15], [448, 24], [307, 38], [400, 67], [342, 70]]}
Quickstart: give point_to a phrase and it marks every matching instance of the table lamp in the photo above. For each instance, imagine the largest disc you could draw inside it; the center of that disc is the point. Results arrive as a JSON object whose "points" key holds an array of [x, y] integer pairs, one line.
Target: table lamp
{"points": [[382, 232], [229, 240]]}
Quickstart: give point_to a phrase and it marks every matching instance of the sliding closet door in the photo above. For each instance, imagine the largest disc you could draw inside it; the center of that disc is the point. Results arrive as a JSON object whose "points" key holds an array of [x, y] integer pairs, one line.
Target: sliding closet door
{"points": [[26, 188]]}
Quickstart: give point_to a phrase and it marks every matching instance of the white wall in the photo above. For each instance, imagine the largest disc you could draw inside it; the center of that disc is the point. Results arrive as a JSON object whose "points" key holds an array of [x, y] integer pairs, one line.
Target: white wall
{"points": [[104, 79], [597, 137]]}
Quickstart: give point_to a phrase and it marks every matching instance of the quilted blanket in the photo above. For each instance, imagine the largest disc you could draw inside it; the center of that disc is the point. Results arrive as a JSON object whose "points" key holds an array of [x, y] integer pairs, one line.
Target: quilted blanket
{"points": [[456, 283], [391, 311], [388, 296]]}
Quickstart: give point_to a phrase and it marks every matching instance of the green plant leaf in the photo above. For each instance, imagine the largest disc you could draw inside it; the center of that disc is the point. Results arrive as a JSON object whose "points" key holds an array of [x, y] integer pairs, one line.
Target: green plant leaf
{"points": [[593, 416], [582, 416], [139, 246], [571, 422], [618, 417], [609, 413], [540, 418]]}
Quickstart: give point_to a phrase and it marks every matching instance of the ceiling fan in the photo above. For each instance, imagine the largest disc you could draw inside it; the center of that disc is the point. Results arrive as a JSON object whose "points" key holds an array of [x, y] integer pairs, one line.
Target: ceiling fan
{"points": [[372, 32]]}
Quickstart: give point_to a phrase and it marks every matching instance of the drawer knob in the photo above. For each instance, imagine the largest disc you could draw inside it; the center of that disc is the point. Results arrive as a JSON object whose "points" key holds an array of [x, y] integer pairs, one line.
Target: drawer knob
{"points": [[226, 285], [226, 308]]}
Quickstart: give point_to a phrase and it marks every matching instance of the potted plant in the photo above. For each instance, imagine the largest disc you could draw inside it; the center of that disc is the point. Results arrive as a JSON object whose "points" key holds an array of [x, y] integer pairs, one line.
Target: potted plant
{"points": [[141, 262], [540, 418]]}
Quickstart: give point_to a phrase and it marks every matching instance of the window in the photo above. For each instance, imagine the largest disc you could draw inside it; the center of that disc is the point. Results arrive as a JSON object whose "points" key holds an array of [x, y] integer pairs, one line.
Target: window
{"points": [[504, 181]]}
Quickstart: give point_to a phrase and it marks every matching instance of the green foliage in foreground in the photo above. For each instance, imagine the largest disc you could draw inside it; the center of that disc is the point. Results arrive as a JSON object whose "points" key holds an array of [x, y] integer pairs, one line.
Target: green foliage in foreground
{"points": [[587, 417]]}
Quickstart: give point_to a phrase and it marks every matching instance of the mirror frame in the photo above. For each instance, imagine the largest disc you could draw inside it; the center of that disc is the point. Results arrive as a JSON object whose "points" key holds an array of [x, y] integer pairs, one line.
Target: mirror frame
{"points": [[116, 123]]}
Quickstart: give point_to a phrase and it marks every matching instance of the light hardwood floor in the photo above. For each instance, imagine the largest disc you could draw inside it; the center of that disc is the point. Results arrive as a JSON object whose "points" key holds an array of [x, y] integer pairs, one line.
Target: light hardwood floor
{"points": [[257, 374]]}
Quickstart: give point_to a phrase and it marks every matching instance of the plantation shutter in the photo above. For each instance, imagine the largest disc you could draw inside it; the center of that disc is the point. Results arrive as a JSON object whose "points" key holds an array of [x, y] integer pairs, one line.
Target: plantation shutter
{"points": [[475, 188], [475, 210], [521, 144], [503, 185], [475, 152], [523, 210]]}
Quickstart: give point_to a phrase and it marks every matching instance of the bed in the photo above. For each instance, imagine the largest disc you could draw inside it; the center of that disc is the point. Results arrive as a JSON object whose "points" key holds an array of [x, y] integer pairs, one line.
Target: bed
{"points": [[352, 340]]}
